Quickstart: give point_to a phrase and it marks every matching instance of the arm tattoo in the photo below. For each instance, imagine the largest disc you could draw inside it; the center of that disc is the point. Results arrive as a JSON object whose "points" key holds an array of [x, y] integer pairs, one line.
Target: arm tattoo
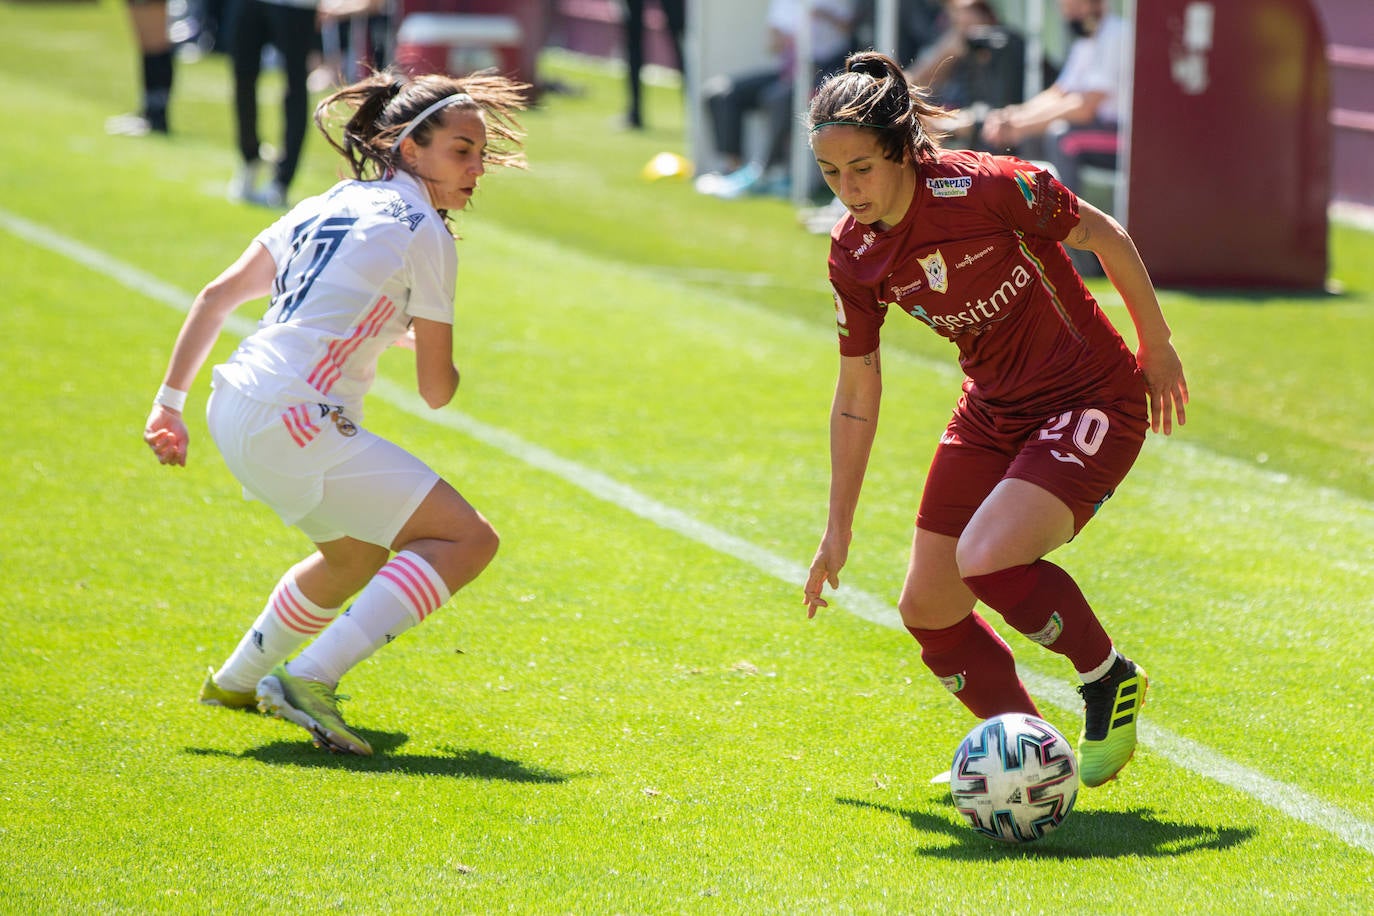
{"points": [[1080, 236], [851, 416]]}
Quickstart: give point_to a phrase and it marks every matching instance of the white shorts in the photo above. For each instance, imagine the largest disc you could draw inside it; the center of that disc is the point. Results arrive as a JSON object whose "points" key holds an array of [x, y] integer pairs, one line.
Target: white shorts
{"points": [[317, 469]]}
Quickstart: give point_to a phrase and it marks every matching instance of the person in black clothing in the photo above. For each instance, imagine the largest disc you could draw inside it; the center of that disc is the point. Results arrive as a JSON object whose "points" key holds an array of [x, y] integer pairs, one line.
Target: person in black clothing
{"points": [[290, 27], [675, 11], [149, 18]]}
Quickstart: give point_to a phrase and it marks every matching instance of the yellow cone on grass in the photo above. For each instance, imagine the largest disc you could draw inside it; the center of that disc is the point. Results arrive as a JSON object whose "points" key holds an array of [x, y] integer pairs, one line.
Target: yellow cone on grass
{"points": [[667, 165]]}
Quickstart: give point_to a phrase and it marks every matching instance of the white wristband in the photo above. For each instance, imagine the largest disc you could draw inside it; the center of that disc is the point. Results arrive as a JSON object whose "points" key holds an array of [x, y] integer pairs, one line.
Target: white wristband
{"points": [[170, 398]]}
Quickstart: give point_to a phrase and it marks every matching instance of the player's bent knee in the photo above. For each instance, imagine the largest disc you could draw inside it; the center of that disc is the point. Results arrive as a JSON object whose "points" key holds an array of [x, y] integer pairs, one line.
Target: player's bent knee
{"points": [[971, 556], [472, 526], [473, 539], [932, 611], [484, 541], [463, 556]]}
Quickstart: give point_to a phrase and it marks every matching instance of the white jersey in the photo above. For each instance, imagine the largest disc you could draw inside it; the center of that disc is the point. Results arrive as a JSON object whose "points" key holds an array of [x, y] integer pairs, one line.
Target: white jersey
{"points": [[354, 266]]}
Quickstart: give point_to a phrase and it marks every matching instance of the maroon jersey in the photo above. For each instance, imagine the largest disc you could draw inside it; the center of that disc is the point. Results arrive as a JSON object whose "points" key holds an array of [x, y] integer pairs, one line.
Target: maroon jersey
{"points": [[977, 258]]}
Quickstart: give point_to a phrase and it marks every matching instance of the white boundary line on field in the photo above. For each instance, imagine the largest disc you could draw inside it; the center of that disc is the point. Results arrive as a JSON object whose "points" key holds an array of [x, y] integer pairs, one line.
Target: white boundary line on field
{"points": [[1191, 755]]}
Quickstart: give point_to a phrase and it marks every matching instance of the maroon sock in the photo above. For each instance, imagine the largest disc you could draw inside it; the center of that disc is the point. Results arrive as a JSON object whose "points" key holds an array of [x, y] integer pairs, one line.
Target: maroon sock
{"points": [[975, 665], [1043, 602]]}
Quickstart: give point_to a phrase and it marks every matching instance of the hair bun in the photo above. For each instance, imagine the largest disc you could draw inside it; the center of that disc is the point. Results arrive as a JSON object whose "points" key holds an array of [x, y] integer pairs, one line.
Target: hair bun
{"points": [[868, 63]]}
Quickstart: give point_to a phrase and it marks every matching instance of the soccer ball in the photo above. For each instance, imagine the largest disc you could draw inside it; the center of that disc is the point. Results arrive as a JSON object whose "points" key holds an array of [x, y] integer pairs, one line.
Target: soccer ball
{"points": [[1014, 778]]}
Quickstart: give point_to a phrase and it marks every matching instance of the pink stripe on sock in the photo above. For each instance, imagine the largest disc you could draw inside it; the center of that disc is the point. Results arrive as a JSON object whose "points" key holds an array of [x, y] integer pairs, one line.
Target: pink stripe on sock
{"points": [[411, 579], [419, 573], [295, 616], [400, 581]]}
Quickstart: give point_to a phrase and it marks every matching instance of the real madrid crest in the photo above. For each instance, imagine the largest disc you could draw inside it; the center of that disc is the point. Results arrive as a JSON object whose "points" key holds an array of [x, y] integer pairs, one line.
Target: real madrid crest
{"points": [[936, 272], [345, 426]]}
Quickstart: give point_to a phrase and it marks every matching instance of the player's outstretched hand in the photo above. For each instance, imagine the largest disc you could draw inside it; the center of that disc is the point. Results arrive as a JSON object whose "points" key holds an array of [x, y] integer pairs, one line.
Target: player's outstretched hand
{"points": [[830, 559], [166, 435], [1168, 389]]}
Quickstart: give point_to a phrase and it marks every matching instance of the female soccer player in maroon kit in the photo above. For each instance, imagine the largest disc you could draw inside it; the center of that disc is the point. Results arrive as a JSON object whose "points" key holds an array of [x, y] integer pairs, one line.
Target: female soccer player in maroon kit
{"points": [[1054, 408]]}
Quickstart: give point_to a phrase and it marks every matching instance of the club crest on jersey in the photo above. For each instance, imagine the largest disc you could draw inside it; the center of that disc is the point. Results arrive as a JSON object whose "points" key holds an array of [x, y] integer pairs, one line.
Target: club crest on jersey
{"points": [[936, 271], [950, 187], [345, 426]]}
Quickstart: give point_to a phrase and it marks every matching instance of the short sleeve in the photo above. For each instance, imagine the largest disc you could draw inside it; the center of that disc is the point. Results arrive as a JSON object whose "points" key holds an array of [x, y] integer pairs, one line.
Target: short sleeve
{"points": [[276, 238], [858, 314], [432, 267], [1031, 200]]}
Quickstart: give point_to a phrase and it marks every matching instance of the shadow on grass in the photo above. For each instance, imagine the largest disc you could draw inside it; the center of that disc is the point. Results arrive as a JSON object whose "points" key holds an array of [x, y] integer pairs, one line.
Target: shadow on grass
{"points": [[1085, 835], [459, 763]]}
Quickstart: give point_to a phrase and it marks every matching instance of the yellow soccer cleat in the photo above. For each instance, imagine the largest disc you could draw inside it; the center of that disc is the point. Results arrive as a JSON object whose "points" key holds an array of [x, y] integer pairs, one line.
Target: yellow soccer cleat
{"points": [[212, 694], [314, 707], [1111, 706]]}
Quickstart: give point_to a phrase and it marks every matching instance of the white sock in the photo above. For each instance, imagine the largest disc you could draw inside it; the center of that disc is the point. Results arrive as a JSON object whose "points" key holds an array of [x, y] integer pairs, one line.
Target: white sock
{"points": [[1101, 670], [403, 593], [289, 619]]}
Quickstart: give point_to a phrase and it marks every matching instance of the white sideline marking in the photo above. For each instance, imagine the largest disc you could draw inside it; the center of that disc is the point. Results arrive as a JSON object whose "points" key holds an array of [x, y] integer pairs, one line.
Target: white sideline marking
{"points": [[1197, 758]]}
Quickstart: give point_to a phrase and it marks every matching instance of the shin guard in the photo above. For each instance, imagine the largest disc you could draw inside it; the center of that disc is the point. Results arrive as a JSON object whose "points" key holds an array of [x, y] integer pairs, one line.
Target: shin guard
{"points": [[1043, 602], [975, 665]]}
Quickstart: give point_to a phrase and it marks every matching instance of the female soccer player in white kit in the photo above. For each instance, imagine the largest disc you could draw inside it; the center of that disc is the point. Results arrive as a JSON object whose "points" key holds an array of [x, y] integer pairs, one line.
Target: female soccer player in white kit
{"points": [[368, 264]]}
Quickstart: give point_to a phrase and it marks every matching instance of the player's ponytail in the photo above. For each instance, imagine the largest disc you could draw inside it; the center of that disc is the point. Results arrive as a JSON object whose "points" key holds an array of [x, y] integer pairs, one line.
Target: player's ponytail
{"points": [[382, 109], [358, 141], [873, 92]]}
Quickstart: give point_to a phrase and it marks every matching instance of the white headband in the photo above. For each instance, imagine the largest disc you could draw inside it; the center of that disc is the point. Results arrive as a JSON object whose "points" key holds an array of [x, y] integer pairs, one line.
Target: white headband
{"points": [[454, 99]]}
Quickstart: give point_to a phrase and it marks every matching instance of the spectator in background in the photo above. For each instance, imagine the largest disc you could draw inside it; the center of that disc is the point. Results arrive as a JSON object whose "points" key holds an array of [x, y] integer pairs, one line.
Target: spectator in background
{"points": [[149, 18], [675, 12], [1076, 117], [973, 64], [289, 26], [968, 62], [920, 23], [339, 54], [211, 36], [769, 89], [976, 65]]}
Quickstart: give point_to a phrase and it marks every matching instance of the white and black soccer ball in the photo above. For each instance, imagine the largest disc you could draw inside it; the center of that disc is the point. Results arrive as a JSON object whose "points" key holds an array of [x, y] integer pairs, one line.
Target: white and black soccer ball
{"points": [[1014, 778]]}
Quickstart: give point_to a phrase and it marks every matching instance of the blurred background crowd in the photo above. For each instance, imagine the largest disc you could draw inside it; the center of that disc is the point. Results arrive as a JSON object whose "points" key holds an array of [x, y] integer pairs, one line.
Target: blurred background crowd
{"points": [[1049, 80]]}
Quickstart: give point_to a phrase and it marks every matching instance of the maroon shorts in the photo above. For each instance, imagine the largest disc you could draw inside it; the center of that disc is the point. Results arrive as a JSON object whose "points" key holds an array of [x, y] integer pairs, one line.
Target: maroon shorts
{"points": [[1079, 455]]}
